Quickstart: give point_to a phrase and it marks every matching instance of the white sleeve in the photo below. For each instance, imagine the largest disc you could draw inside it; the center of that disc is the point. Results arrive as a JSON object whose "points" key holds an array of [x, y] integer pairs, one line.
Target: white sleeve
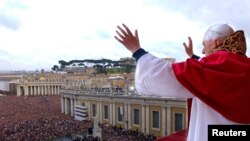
{"points": [[155, 76]]}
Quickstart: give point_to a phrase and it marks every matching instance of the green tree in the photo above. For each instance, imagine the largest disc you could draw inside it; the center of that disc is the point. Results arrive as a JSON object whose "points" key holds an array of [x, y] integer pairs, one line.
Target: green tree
{"points": [[55, 68]]}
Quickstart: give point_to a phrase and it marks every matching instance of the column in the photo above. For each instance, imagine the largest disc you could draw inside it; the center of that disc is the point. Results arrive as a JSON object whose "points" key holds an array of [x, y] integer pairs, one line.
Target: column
{"points": [[26, 91], [46, 90], [72, 106], [114, 113], [88, 106], [38, 90], [100, 111], [42, 90], [58, 89], [168, 120], [50, 90], [66, 105], [53, 90], [97, 109], [126, 115], [143, 118], [129, 115], [31, 90], [62, 104], [18, 90], [163, 121], [110, 113], [76, 102], [147, 119], [35, 89]]}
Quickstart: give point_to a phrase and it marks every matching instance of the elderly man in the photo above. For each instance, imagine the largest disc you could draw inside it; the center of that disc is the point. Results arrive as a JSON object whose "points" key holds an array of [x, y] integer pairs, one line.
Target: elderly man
{"points": [[219, 83]]}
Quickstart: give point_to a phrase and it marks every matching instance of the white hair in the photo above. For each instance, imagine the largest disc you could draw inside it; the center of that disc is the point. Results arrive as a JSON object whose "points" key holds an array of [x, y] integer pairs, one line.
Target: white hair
{"points": [[218, 31]]}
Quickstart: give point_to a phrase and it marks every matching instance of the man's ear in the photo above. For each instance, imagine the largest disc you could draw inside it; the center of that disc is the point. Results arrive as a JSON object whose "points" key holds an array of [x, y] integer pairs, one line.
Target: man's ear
{"points": [[217, 43]]}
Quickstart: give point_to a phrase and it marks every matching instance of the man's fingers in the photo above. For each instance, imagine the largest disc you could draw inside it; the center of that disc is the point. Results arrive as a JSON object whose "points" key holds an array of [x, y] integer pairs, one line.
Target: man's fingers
{"points": [[127, 29], [118, 39], [136, 34], [185, 45], [123, 32], [190, 42], [125, 37], [120, 35], [121, 41]]}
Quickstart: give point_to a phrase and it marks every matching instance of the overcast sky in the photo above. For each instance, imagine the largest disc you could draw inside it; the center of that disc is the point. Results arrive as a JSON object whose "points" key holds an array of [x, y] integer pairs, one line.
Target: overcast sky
{"points": [[36, 34]]}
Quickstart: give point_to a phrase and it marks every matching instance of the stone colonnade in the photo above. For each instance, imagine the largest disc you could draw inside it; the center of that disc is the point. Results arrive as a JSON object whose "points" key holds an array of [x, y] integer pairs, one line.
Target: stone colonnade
{"points": [[165, 111], [38, 89], [67, 105]]}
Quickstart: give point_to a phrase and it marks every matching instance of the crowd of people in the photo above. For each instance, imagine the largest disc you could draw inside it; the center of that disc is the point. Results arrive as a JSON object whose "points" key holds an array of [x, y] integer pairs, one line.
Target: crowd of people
{"points": [[35, 118], [39, 118], [120, 134]]}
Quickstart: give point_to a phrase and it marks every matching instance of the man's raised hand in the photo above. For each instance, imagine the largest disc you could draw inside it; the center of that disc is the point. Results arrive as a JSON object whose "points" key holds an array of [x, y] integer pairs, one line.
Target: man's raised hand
{"points": [[125, 36], [189, 47]]}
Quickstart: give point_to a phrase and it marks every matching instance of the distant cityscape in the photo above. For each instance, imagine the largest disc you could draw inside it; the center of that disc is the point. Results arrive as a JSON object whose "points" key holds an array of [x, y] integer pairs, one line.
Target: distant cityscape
{"points": [[105, 90]]}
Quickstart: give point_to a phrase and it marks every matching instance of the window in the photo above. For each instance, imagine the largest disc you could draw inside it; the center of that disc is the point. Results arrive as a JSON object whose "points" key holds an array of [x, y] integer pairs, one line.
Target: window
{"points": [[156, 119], [178, 121], [136, 116], [93, 110], [106, 112], [120, 112]]}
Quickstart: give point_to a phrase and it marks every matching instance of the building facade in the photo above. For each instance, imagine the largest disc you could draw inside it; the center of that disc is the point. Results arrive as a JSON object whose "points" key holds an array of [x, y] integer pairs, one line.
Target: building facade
{"points": [[111, 98], [147, 114], [42, 84]]}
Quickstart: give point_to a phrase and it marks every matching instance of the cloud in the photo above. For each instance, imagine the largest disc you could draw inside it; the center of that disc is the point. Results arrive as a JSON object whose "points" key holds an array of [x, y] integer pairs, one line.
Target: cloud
{"points": [[9, 22], [46, 31], [208, 13], [9, 12], [212, 11]]}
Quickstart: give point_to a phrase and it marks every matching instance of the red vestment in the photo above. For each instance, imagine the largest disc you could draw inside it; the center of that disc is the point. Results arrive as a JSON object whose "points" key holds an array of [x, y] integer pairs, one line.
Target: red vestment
{"points": [[222, 81]]}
